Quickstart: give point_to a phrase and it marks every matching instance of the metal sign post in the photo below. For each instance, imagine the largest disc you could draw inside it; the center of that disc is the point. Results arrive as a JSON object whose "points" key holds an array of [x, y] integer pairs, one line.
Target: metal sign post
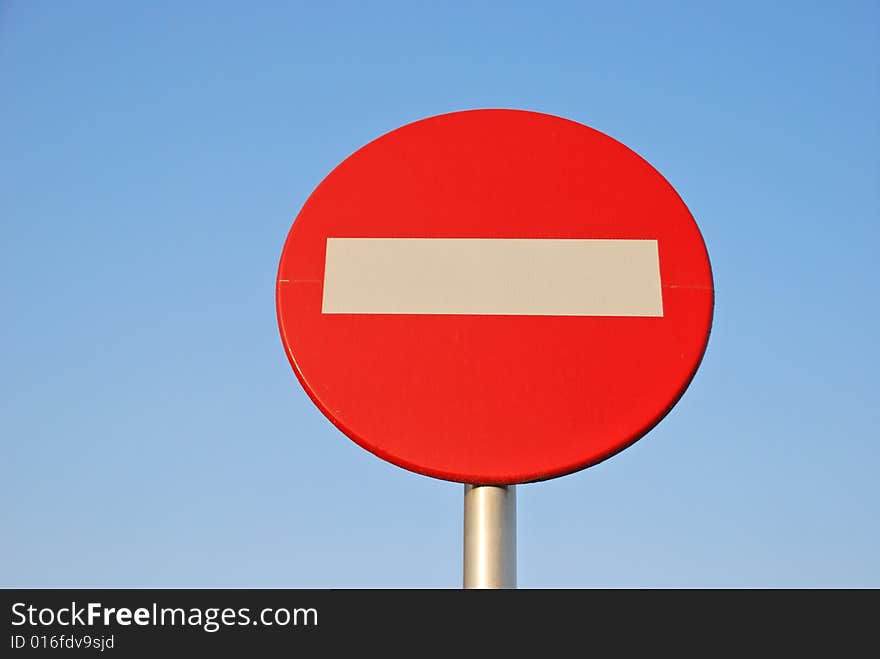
{"points": [[489, 536]]}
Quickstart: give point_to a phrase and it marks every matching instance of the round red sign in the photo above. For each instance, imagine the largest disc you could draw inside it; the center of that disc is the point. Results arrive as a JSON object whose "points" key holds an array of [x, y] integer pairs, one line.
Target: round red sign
{"points": [[494, 296]]}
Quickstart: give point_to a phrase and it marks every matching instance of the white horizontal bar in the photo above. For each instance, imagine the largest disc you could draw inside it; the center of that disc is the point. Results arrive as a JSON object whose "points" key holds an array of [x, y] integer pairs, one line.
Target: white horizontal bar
{"points": [[511, 276]]}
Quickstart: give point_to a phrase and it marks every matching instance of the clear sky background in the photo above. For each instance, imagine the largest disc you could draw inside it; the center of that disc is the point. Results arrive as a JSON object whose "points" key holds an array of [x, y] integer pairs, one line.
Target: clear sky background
{"points": [[153, 157]]}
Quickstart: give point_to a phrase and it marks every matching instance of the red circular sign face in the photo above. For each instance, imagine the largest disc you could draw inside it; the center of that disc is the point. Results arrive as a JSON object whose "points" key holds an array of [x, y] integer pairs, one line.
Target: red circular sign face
{"points": [[494, 296]]}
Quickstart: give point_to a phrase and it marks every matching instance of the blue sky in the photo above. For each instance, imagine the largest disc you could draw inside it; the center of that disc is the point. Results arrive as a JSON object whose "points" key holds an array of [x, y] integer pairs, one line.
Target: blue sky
{"points": [[154, 157]]}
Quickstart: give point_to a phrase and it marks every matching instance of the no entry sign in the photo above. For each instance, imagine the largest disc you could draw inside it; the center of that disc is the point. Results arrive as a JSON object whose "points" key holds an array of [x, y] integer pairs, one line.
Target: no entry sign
{"points": [[494, 296]]}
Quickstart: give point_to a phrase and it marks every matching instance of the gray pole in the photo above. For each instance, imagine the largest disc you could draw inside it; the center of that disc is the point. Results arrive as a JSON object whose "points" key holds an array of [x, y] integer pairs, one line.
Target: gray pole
{"points": [[489, 536]]}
